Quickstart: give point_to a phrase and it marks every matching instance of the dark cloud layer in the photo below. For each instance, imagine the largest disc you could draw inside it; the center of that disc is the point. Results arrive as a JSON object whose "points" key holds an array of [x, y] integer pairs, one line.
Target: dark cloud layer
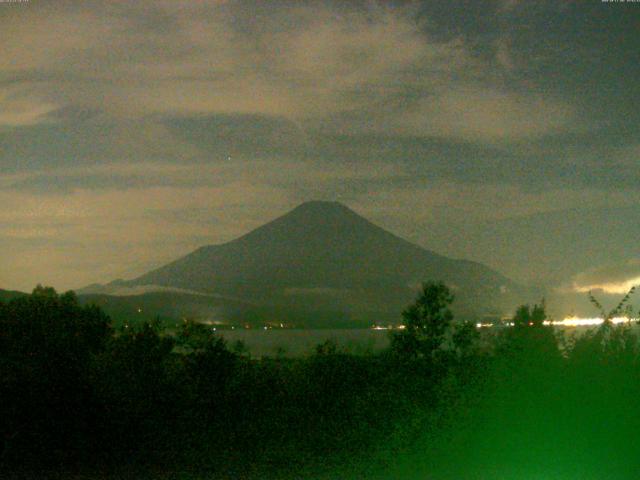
{"points": [[192, 121]]}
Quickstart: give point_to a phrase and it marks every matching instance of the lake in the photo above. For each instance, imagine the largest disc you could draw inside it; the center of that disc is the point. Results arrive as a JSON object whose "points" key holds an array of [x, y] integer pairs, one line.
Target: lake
{"points": [[297, 342]]}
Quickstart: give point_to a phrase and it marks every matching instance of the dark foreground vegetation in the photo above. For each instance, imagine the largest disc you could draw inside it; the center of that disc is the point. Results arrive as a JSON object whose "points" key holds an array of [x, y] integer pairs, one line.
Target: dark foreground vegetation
{"points": [[80, 400]]}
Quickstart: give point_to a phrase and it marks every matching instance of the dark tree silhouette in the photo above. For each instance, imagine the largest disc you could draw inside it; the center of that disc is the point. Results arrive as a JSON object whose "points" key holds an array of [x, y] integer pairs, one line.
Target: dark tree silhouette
{"points": [[530, 342], [426, 322], [47, 343], [465, 339]]}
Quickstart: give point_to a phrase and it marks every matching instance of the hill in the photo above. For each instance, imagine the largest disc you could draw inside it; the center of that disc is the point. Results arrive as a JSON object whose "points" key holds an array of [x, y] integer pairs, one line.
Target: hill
{"points": [[6, 295]]}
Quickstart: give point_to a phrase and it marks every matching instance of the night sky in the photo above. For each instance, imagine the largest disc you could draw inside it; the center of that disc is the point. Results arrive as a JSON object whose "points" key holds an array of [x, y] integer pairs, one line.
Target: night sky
{"points": [[134, 132]]}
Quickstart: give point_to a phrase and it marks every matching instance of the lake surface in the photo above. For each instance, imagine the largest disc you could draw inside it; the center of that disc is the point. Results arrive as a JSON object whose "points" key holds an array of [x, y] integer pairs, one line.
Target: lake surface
{"points": [[300, 342], [297, 342]]}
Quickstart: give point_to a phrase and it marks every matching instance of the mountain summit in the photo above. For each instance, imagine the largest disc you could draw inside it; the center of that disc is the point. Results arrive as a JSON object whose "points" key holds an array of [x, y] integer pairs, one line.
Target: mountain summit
{"points": [[324, 259]]}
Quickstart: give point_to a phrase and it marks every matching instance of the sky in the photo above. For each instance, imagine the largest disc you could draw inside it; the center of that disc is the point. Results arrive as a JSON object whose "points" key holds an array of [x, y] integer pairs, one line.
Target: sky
{"points": [[134, 132]]}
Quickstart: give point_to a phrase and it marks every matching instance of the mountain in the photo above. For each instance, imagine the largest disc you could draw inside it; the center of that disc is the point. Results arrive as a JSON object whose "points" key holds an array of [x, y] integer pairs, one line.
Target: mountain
{"points": [[320, 263], [165, 305], [6, 295]]}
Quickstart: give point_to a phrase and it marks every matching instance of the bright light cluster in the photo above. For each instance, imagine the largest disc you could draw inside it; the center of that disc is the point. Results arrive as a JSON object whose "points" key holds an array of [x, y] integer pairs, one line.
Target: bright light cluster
{"points": [[585, 322], [570, 322], [567, 322]]}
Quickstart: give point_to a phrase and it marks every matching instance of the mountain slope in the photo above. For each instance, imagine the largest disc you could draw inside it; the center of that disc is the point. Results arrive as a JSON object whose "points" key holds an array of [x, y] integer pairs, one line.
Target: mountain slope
{"points": [[318, 244], [323, 257], [6, 295]]}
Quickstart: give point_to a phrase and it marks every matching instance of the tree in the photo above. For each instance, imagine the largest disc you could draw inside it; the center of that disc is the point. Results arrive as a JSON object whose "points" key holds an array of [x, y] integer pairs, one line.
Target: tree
{"points": [[608, 341], [529, 339], [48, 343], [526, 316], [465, 339], [426, 322], [623, 307]]}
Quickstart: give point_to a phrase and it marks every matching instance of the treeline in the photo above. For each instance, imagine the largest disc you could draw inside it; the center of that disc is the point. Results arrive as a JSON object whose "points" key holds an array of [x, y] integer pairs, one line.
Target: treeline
{"points": [[78, 398]]}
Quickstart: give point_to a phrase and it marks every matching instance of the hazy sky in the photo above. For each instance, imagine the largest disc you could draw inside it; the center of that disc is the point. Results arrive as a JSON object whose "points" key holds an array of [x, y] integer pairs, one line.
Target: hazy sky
{"points": [[134, 132]]}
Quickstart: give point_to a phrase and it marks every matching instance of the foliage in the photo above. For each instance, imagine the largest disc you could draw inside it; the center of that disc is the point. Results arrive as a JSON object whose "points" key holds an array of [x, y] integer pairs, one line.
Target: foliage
{"points": [[608, 342], [623, 306], [140, 402], [529, 342], [47, 342], [427, 322]]}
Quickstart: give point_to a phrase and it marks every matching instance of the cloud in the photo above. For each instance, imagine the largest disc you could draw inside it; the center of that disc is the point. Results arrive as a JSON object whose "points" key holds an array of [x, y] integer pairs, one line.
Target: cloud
{"points": [[305, 63], [617, 278], [97, 235], [19, 108], [119, 220], [475, 113], [131, 132]]}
